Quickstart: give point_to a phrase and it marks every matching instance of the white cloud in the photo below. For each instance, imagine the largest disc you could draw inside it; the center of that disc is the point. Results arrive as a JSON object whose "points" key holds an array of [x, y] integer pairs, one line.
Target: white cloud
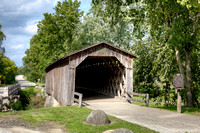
{"points": [[17, 56], [31, 27], [31, 6], [16, 47], [19, 19]]}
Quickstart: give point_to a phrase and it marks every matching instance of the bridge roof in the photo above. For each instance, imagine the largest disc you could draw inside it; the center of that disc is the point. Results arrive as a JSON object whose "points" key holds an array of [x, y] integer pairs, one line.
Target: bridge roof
{"points": [[87, 48]]}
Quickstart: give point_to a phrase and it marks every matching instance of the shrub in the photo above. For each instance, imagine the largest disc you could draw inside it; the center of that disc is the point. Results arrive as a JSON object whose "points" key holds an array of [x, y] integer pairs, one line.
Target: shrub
{"points": [[28, 99]]}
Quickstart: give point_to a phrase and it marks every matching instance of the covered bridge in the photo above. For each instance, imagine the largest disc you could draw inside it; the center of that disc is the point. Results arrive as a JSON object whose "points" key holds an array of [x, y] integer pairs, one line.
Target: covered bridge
{"points": [[102, 67]]}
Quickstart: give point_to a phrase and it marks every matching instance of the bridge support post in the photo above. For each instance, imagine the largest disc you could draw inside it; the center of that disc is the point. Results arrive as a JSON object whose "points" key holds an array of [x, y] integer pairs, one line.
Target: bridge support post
{"points": [[1, 103]]}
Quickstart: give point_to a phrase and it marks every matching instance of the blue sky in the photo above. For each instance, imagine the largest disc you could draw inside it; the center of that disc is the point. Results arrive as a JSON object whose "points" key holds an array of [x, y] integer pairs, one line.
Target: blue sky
{"points": [[19, 20]]}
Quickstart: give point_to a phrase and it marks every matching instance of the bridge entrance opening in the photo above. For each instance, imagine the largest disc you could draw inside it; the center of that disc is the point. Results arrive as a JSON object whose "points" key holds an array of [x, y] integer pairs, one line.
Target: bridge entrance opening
{"points": [[97, 76]]}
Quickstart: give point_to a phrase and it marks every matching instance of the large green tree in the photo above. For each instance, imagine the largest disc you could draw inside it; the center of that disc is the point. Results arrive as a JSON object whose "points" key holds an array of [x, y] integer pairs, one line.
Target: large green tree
{"points": [[175, 20], [53, 39], [93, 30], [8, 69]]}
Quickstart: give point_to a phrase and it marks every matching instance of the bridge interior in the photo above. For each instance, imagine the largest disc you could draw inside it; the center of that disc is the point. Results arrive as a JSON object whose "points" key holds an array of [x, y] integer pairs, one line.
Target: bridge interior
{"points": [[100, 75]]}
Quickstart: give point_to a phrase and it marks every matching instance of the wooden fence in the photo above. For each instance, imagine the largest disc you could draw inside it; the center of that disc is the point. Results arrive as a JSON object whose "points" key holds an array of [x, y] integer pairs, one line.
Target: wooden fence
{"points": [[10, 90], [7, 100], [146, 101], [14, 89], [79, 99]]}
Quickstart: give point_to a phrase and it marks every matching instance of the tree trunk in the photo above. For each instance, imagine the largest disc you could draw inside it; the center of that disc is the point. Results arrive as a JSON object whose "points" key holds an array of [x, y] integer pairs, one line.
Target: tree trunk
{"points": [[188, 79], [179, 60]]}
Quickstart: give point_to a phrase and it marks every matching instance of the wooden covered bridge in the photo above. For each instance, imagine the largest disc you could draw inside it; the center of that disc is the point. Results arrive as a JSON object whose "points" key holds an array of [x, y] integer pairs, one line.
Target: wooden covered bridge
{"points": [[102, 67]]}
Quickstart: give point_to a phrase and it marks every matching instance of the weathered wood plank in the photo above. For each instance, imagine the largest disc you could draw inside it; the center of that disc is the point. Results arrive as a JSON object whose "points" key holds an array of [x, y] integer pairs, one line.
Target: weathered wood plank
{"points": [[79, 100], [139, 94]]}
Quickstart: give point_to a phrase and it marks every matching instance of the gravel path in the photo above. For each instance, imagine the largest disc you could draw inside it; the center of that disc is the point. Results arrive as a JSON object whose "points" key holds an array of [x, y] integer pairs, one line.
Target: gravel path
{"points": [[23, 82], [156, 119]]}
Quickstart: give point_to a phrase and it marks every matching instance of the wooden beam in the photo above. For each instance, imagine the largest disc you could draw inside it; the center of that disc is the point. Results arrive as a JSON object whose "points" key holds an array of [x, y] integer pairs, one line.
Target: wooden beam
{"points": [[107, 64], [139, 94], [114, 63]]}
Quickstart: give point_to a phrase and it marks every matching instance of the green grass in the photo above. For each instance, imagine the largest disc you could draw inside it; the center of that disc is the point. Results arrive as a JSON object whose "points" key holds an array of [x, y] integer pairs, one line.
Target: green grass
{"points": [[31, 89], [41, 84], [185, 110], [73, 118]]}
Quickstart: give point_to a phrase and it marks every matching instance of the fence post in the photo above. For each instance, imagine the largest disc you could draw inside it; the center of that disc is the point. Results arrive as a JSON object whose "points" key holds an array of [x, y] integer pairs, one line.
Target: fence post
{"points": [[1, 103], [147, 100], [80, 100]]}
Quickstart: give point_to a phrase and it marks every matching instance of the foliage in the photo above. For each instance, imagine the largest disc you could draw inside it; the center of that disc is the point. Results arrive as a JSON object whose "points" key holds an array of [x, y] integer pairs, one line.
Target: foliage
{"points": [[73, 118], [93, 30], [28, 99], [2, 37], [172, 27], [60, 33], [53, 40], [20, 71], [164, 34], [8, 69]]}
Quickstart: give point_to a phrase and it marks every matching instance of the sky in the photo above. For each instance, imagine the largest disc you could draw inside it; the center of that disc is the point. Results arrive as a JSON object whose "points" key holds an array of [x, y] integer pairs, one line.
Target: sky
{"points": [[19, 20]]}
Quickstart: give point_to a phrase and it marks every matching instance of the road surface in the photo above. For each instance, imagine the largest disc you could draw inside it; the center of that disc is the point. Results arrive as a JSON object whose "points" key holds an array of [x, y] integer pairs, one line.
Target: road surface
{"points": [[156, 119], [23, 82]]}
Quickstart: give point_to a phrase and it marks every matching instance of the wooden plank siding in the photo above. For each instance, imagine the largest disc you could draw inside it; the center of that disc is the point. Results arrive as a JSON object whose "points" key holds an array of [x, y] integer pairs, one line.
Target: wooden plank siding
{"points": [[61, 75]]}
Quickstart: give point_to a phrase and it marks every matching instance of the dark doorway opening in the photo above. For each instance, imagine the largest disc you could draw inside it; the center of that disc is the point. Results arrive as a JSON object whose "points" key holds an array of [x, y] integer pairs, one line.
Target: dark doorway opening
{"points": [[100, 76]]}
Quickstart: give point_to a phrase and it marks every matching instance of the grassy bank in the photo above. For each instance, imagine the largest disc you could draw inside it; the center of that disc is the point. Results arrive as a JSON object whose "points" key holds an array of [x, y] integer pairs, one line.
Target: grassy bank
{"points": [[73, 118], [185, 110]]}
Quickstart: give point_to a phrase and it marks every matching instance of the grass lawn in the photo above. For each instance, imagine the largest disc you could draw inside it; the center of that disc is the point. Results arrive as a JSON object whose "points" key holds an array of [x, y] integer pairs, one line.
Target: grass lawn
{"points": [[73, 118], [185, 110]]}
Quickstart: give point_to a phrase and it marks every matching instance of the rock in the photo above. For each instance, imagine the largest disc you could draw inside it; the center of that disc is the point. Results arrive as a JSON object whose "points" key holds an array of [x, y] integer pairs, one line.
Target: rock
{"points": [[97, 117], [120, 130], [51, 102]]}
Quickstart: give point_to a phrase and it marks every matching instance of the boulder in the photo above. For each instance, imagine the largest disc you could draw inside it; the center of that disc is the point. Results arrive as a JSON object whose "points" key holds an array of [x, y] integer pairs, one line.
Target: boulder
{"points": [[120, 130], [51, 102], [97, 117]]}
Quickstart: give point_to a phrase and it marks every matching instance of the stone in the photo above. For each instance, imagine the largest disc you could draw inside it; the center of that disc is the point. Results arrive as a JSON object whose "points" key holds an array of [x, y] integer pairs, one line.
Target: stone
{"points": [[97, 117], [51, 102], [120, 130]]}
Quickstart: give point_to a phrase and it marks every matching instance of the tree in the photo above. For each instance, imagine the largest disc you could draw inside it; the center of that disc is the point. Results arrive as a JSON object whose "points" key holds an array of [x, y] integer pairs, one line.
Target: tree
{"points": [[93, 30], [2, 37], [176, 20], [8, 69], [53, 39], [68, 16]]}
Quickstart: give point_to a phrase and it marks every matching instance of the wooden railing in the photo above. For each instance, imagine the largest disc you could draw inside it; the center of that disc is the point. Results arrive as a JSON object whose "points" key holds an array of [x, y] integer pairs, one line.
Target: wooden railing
{"points": [[146, 101], [79, 99], [14, 89], [10, 90], [5, 101]]}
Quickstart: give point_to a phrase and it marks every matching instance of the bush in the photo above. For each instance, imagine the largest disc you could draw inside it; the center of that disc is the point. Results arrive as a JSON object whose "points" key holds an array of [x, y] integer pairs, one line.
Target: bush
{"points": [[28, 99]]}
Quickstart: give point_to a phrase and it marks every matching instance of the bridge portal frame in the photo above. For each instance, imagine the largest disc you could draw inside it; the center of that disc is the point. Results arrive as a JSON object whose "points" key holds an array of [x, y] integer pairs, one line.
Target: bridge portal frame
{"points": [[61, 74]]}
